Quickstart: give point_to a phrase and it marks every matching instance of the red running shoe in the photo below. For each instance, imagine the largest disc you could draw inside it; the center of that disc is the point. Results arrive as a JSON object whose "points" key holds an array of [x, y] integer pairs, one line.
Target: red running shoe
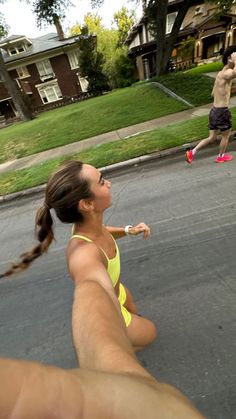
{"points": [[228, 157], [189, 156], [219, 159], [225, 158]]}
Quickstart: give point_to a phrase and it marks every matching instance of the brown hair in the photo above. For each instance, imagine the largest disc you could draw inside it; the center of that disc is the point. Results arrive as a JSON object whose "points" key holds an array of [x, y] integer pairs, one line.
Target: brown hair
{"points": [[65, 188], [227, 53]]}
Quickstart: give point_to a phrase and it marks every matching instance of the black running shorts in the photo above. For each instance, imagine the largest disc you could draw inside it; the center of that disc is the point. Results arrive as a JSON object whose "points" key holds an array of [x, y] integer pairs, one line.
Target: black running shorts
{"points": [[220, 119]]}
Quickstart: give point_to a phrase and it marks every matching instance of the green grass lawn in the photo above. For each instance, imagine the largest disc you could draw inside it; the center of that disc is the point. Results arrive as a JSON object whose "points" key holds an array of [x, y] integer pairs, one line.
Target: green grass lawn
{"points": [[194, 88], [91, 117], [106, 154], [206, 68]]}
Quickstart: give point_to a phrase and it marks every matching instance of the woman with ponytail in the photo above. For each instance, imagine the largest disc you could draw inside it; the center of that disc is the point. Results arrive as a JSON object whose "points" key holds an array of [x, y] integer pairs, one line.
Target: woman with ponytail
{"points": [[79, 195]]}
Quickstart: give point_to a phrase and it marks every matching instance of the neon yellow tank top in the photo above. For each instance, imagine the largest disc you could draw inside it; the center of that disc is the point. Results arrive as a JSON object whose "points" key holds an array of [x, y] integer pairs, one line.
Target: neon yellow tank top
{"points": [[113, 265]]}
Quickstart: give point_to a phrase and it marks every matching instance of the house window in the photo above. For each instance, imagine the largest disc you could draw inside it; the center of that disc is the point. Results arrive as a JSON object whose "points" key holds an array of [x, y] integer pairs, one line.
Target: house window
{"points": [[22, 72], [170, 20], [73, 58], [219, 44], [16, 49], [141, 36], [45, 70], [83, 83], [50, 93]]}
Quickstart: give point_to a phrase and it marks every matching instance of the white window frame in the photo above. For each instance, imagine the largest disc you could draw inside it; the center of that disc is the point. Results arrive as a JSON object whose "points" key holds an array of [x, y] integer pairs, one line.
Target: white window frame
{"points": [[169, 25], [73, 57], [22, 72], [15, 49], [49, 89], [170, 20], [83, 83], [45, 69]]}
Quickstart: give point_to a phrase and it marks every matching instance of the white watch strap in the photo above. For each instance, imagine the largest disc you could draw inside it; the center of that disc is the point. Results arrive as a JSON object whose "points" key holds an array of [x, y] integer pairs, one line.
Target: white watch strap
{"points": [[127, 229]]}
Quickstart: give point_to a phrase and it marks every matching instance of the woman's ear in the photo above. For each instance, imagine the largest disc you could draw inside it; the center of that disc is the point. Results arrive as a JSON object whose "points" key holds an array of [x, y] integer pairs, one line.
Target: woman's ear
{"points": [[85, 205]]}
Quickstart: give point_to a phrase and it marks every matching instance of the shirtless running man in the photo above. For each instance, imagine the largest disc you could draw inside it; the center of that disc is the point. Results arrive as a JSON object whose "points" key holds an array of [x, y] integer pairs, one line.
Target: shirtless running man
{"points": [[220, 118]]}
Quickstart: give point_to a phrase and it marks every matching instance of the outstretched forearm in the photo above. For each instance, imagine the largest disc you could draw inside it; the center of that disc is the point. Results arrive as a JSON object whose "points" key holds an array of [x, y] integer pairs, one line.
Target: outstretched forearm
{"points": [[116, 232], [141, 228], [122, 385], [99, 331]]}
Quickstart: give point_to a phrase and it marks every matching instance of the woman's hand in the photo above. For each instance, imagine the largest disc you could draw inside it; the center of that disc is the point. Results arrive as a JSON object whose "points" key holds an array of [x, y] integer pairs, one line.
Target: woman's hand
{"points": [[138, 229]]}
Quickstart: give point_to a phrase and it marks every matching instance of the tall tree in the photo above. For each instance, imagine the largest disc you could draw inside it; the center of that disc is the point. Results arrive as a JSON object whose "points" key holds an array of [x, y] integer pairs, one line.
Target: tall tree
{"points": [[156, 12], [46, 11], [91, 63], [124, 20], [117, 66], [144, 5]]}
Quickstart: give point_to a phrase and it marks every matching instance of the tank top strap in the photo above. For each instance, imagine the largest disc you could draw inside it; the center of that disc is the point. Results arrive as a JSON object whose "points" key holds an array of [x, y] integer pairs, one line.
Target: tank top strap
{"points": [[79, 236]]}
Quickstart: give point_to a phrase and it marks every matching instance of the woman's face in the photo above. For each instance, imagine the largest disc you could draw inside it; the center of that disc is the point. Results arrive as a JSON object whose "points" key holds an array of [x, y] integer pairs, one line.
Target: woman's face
{"points": [[99, 186]]}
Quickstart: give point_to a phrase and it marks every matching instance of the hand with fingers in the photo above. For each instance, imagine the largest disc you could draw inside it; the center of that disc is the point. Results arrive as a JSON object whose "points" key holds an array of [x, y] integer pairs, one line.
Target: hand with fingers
{"points": [[139, 229]]}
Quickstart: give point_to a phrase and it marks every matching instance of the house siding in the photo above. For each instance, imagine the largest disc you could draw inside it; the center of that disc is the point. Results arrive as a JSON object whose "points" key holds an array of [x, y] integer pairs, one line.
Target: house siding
{"points": [[47, 47], [3, 92], [67, 79], [210, 36]]}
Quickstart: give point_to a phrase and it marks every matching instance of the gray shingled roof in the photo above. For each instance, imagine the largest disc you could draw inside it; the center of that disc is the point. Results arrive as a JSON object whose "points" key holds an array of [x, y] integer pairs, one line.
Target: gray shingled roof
{"points": [[39, 45]]}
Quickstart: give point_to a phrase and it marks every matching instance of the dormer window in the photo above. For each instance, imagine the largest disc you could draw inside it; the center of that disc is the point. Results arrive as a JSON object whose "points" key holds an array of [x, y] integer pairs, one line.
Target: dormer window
{"points": [[16, 49]]}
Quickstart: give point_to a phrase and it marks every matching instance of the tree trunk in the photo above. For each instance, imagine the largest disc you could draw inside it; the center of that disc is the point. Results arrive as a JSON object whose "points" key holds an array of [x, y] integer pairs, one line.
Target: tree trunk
{"points": [[161, 13], [23, 110], [166, 43], [144, 5]]}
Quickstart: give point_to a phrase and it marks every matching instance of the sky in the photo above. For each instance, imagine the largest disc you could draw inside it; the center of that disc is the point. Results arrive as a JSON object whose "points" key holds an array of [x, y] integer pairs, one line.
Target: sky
{"points": [[21, 20]]}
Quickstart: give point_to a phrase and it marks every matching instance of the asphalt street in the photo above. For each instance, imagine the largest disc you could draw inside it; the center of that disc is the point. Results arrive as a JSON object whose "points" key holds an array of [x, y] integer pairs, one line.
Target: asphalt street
{"points": [[183, 277]]}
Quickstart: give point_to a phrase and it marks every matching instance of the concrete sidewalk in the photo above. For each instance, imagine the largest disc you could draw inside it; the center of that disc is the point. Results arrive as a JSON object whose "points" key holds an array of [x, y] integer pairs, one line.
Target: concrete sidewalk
{"points": [[119, 134]]}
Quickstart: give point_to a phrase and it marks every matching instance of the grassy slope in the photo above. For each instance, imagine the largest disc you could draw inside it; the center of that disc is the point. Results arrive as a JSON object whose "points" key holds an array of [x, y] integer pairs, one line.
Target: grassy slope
{"points": [[82, 120], [196, 89]]}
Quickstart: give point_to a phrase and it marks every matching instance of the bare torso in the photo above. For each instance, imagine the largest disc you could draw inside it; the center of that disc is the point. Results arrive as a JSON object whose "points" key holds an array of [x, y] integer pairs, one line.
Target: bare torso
{"points": [[221, 90]]}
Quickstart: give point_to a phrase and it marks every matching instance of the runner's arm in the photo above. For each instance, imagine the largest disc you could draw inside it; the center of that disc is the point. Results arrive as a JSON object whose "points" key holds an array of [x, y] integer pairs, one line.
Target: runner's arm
{"points": [[86, 264], [231, 73], [119, 232]]}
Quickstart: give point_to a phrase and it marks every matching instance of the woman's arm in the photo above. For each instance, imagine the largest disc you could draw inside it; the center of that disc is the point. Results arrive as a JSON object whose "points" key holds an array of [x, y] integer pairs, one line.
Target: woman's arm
{"points": [[118, 232], [85, 262]]}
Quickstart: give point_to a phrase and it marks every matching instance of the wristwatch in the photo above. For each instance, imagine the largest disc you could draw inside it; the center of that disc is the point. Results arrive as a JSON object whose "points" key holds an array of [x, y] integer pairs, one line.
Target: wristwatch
{"points": [[127, 229]]}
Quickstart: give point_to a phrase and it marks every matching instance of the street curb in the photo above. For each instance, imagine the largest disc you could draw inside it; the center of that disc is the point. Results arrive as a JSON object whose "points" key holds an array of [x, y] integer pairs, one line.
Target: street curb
{"points": [[106, 169]]}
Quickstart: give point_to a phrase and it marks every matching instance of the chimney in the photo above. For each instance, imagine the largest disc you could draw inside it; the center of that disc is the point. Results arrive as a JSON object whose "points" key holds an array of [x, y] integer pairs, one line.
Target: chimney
{"points": [[57, 23]]}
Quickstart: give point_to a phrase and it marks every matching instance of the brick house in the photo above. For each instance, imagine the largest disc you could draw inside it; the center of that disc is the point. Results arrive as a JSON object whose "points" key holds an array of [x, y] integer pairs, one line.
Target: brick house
{"points": [[210, 35], [46, 69]]}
